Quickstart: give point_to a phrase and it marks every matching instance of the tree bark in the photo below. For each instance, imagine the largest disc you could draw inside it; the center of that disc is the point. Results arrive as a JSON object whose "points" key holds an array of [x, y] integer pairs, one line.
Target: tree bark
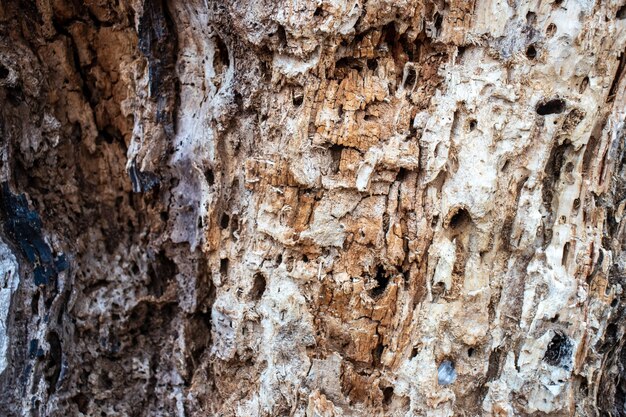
{"points": [[312, 208]]}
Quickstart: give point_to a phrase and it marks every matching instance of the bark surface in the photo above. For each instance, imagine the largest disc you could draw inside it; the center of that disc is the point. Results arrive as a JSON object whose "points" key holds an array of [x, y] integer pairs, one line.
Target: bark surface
{"points": [[312, 208]]}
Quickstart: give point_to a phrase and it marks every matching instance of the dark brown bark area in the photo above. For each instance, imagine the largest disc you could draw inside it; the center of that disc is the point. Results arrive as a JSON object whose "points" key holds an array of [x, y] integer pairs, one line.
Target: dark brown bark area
{"points": [[62, 61]]}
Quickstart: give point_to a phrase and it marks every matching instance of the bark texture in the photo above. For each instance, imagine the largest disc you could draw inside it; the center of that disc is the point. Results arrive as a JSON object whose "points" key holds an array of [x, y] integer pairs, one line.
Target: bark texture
{"points": [[312, 208]]}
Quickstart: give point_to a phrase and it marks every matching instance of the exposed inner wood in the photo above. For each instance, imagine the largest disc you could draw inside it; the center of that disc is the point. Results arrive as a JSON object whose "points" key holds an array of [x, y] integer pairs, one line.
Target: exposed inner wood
{"points": [[312, 208]]}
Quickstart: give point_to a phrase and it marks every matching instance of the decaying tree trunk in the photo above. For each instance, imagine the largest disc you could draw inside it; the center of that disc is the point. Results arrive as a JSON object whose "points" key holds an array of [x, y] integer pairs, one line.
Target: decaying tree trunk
{"points": [[312, 208]]}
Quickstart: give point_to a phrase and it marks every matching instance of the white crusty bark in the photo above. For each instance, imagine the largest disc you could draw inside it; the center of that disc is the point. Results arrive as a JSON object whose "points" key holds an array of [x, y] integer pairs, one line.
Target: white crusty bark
{"points": [[313, 208]]}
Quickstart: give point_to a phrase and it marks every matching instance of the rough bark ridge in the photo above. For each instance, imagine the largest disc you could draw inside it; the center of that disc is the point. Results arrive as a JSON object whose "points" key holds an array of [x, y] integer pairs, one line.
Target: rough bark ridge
{"points": [[320, 208]]}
